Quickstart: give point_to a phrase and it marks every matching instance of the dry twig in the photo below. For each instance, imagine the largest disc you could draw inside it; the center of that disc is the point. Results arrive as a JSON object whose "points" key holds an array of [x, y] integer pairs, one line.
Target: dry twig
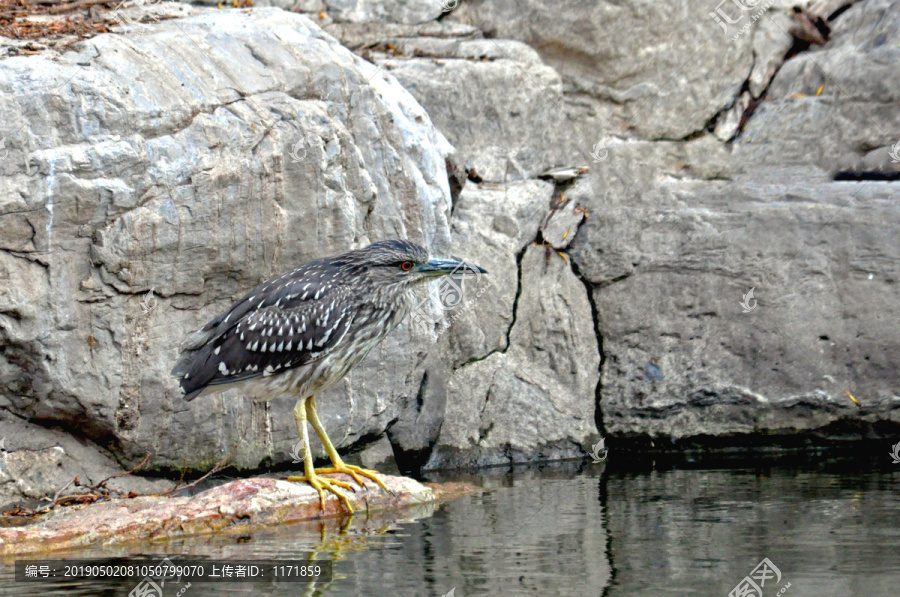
{"points": [[223, 463]]}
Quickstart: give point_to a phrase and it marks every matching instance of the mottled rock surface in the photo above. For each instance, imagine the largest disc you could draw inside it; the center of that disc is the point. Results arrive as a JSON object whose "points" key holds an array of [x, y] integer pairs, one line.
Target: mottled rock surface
{"points": [[684, 231], [534, 398], [644, 68], [712, 171], [395, 11]]}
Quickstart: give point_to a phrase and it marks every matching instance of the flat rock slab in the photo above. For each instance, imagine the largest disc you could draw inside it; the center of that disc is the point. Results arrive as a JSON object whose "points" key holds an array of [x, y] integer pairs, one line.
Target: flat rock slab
{"points": [[233, 506]]}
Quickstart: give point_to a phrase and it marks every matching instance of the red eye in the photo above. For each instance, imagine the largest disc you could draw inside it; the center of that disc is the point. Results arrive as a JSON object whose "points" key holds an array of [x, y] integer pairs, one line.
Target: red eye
{"points": [[406, 266]]}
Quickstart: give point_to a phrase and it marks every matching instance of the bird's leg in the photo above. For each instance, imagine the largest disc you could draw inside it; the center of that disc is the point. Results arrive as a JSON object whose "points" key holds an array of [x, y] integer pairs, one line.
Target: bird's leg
{"points": [[310, 475], [338, 465]]}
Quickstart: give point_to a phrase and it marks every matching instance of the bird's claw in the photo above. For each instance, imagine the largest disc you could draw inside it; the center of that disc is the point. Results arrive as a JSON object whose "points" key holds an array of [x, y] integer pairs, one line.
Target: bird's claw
{"points": [[356, 472], [320, 483]]}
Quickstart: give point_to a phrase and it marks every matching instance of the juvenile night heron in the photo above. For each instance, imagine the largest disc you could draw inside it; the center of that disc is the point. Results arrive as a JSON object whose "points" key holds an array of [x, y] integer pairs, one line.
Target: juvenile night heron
{"points": [[301, 332]]}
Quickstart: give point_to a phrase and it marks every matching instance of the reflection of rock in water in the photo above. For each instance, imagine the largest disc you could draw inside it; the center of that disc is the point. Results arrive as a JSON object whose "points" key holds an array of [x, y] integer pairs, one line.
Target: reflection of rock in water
{"points": [[532, 532], [707, 529]]}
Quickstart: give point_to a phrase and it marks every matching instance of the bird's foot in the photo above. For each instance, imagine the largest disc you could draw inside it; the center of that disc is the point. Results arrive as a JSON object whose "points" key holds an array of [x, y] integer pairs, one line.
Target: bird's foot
{"points": [[321, 483], [356, 472]]}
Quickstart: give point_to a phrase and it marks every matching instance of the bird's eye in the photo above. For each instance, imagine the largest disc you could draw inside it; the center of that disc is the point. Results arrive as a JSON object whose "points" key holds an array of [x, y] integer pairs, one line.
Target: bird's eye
{"points": [[406, 266]]}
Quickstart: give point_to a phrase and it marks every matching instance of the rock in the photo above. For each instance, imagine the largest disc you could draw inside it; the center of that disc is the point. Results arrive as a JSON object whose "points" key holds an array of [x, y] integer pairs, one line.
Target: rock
{"points": [[647, 69], [372, 39], [673, 246], [830, 106], [496, 344], [505, 341], [563, 175], [378, 455], [535, 400], [730, 121], [493, 223], [138, 200], [415, 431], [771, 44], [498, 104], [883, 161], [561, 224], [236, 507], [37, 462], [395, 11]]}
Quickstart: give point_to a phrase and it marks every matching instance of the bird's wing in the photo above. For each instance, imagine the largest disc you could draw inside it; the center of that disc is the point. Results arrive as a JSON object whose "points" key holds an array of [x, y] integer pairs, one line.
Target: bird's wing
{"points": [[271, 339], [291, 289]]}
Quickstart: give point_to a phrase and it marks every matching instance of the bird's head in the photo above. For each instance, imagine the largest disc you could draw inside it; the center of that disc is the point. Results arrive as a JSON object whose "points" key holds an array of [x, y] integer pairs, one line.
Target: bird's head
{"points": [[398, 265]]}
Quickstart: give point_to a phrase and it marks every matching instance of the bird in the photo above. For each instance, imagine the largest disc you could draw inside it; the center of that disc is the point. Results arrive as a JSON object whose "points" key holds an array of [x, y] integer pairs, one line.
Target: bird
{"points": [[301, 332]]}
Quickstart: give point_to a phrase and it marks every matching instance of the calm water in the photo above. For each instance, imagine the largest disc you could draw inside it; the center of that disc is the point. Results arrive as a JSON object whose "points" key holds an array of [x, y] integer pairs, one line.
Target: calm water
{"points": [[830, 527]]}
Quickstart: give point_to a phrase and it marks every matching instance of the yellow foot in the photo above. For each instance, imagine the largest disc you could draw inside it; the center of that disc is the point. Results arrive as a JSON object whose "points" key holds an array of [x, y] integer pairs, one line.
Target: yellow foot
{"points": [[320, 483], [355, 472]]}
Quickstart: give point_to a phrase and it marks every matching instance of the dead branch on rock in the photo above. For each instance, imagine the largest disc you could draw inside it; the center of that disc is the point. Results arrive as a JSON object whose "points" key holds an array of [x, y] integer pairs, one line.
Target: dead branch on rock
{"points": [[223, 463], [91, 494]]}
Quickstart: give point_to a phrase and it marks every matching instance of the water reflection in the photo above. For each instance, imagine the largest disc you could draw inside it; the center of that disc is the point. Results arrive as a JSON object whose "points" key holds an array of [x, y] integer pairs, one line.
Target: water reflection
{"points": [[624, 527]]}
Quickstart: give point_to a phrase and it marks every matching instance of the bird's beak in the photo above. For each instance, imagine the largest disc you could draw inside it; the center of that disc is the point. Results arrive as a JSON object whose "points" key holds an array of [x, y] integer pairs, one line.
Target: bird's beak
{"points": [[445, 267]]}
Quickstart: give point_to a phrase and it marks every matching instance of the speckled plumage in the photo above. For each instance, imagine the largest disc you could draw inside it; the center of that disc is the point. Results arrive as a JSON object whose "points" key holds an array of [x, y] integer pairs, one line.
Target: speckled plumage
{"points": [[302, 331]]}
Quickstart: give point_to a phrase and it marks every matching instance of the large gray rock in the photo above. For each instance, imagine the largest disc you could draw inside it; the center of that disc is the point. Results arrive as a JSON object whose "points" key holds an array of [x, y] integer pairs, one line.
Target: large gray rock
{"points": [[40, 463], [502, 108], [644, 68], [499, 105], [535, 399], [683, 359], [679, 237], [494, 223], [518, 362], [149, 179], [833, 108]]}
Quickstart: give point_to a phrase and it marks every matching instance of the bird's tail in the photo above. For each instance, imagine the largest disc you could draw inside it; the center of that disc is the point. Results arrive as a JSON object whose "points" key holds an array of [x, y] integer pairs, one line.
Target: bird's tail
{"points": [[196, 350]]}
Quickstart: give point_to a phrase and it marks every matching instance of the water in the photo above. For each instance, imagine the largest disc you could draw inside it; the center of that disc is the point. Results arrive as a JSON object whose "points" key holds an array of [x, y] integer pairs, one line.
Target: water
{"points": [[830, 527]]}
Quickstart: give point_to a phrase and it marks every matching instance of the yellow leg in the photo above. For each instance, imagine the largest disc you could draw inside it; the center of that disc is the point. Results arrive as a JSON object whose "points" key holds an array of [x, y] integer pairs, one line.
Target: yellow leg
{"points": [[310, 476], [338, 465]]}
